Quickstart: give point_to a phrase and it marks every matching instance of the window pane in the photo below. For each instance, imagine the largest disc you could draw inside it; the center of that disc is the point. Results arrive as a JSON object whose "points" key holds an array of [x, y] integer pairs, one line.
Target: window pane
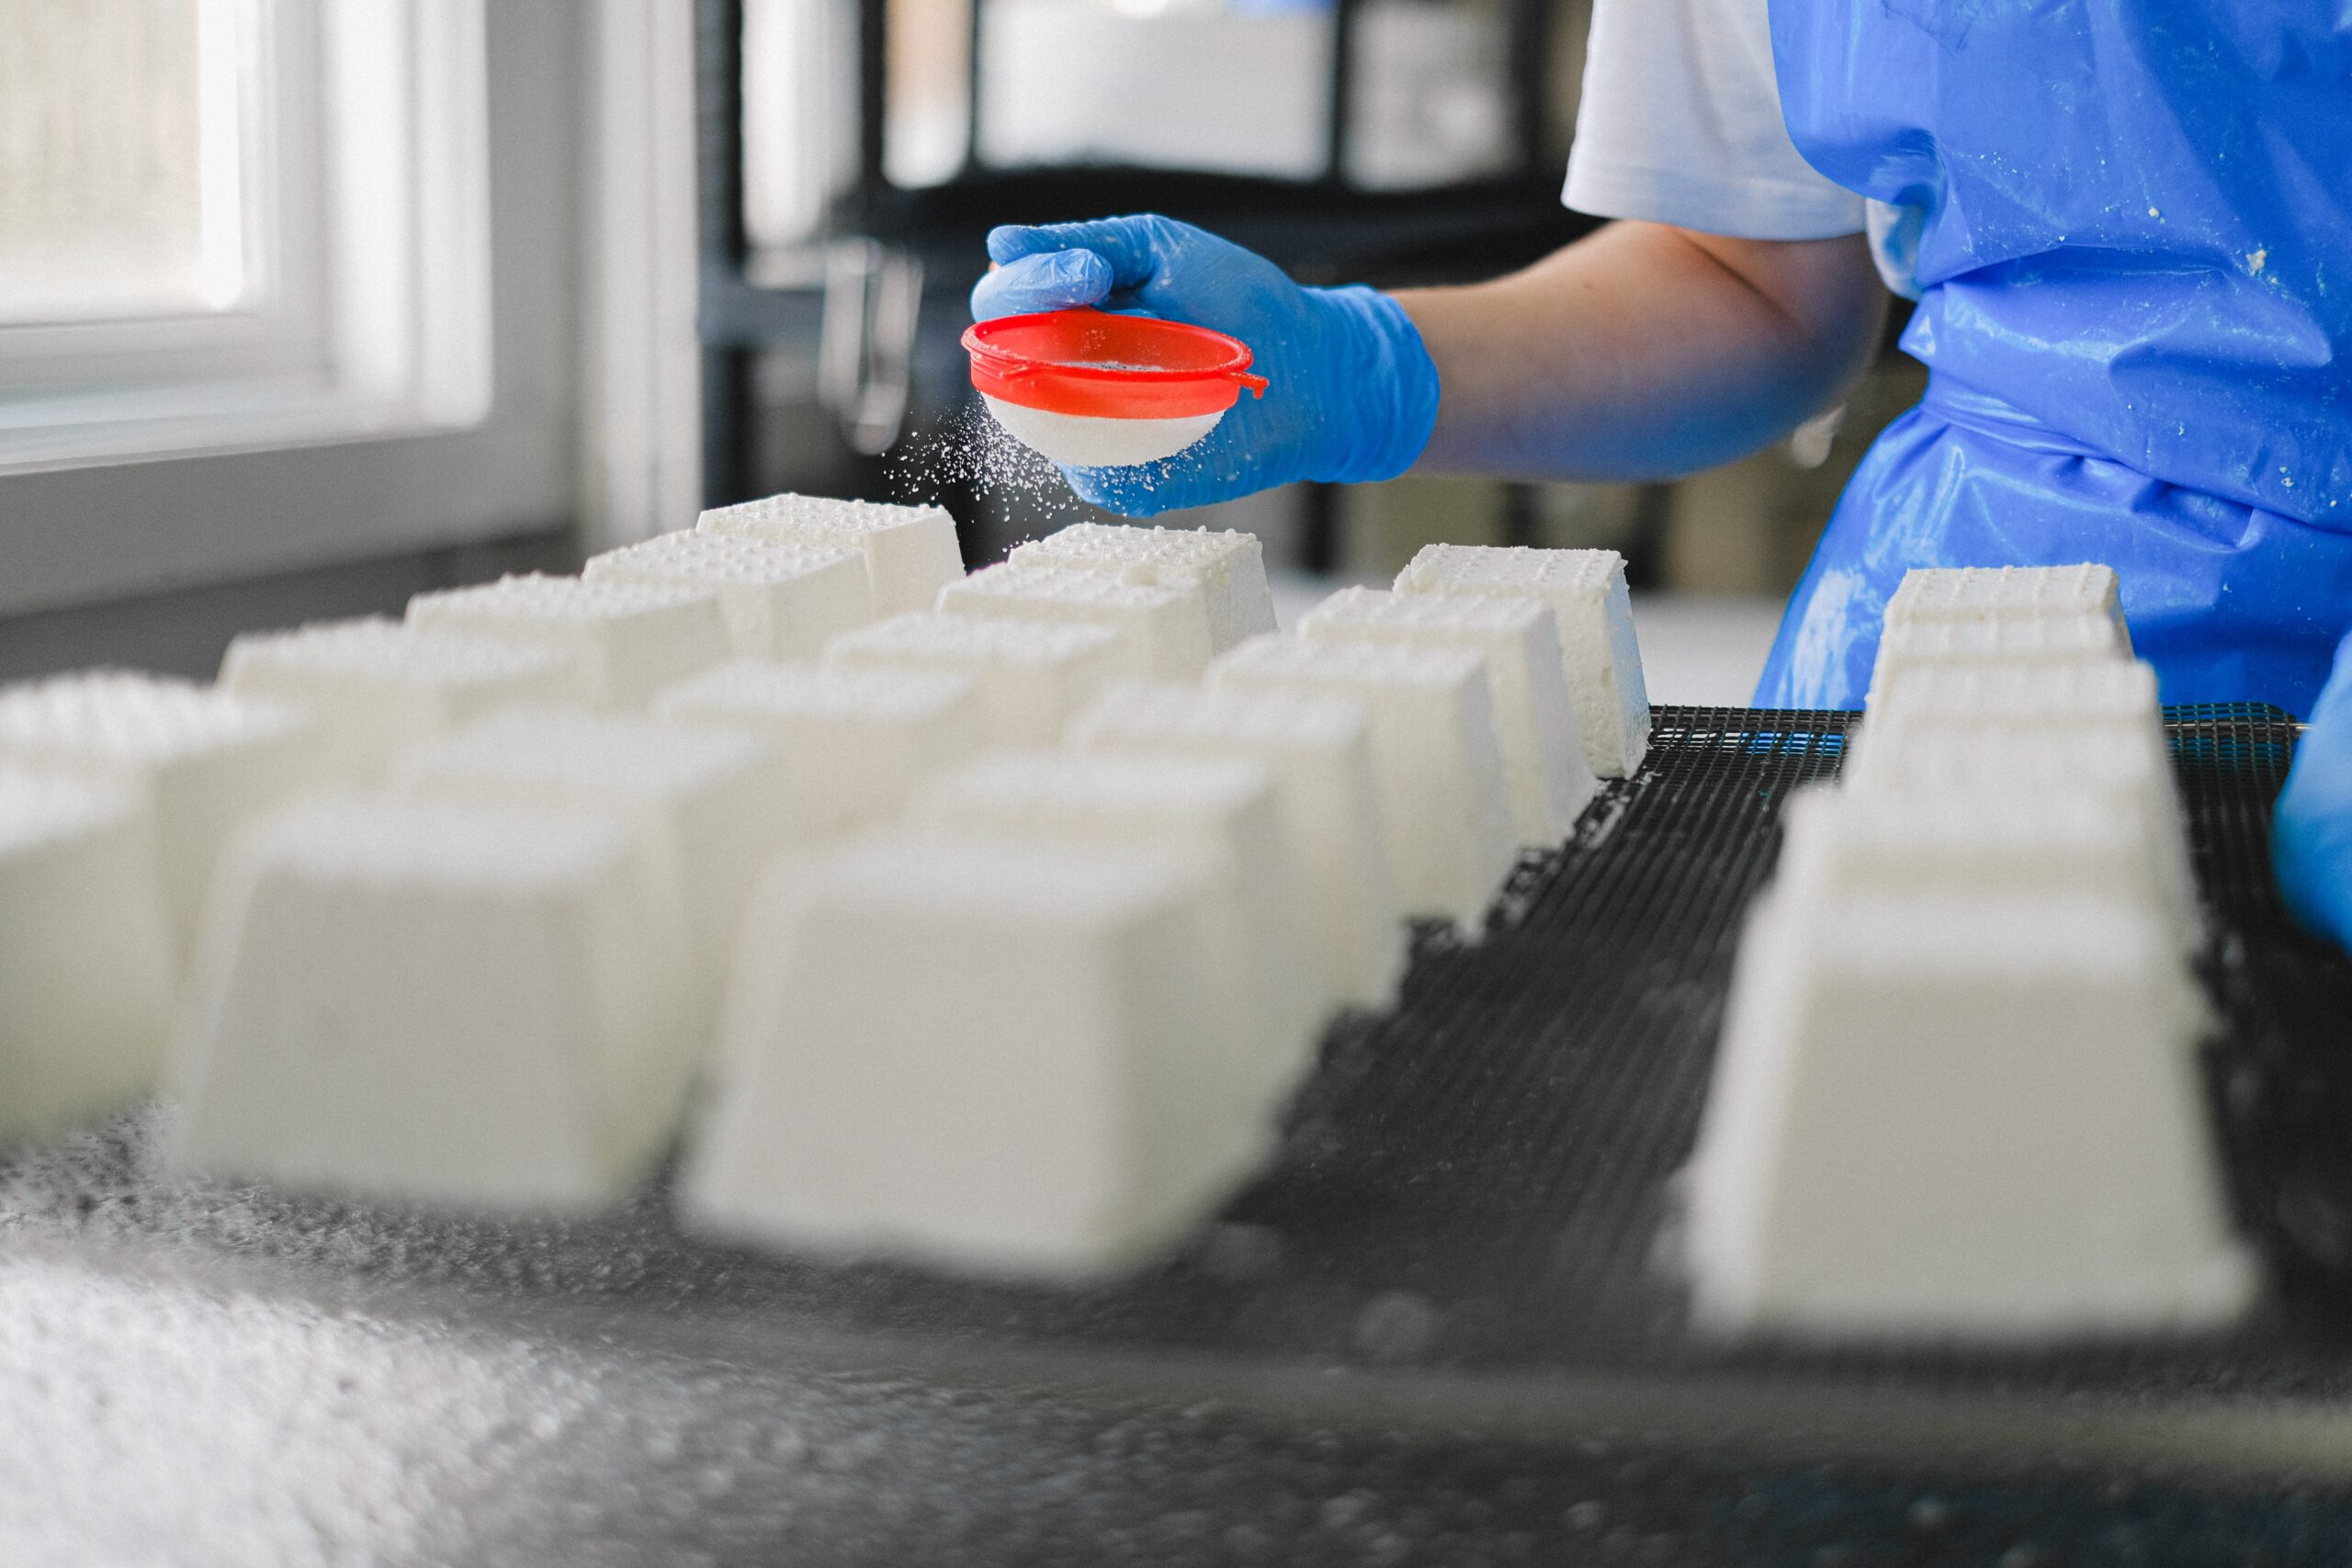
{"points": [[118, 156]]}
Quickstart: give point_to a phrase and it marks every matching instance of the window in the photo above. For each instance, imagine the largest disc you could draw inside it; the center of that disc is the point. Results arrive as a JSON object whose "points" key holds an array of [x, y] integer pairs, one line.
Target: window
{"points": [[237, 222], [451, 297]]}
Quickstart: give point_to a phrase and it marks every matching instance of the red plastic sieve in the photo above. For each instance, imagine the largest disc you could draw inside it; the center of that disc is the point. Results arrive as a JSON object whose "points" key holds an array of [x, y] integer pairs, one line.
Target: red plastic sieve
{"points": [[1090, 387]]}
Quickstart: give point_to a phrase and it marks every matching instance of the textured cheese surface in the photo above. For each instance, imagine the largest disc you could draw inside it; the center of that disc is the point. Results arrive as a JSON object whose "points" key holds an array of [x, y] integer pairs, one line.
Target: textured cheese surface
{"points": [[1543, 764], [1939, 839], [126, 716], [87, 961], [2036, 639], [1587, 575], [632, 637], [440, 1003], [780, 601], [788, 518], [880, 694], [709, 795], [1975, 593], [568, 751], [910, 552], [204, 759], [1961, 1115], [1437, 764], [2023, 691], [2119, 764], [1594, 616], [852, 742], [378, 651], [1033, 675], [1165, 630], [696, 558], [1222, 807], [377, 684], [1228, 567], [1318, 744], [539, 596], [988, 1055]]}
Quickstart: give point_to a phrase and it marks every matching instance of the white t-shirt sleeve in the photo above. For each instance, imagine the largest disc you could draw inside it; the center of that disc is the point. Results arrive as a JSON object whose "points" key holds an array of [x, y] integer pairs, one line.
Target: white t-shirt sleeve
{"points": [[1680, 123]]}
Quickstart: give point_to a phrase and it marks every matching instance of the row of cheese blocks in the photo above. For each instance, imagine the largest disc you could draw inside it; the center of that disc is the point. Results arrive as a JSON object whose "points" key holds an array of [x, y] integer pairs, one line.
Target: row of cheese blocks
{"points": [[983, 1038], [618, 851], [1958, 1092]]}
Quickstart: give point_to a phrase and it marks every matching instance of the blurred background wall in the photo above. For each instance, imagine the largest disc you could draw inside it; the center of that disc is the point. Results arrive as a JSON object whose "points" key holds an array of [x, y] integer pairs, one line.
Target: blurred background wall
{"points": [[307, 304]]}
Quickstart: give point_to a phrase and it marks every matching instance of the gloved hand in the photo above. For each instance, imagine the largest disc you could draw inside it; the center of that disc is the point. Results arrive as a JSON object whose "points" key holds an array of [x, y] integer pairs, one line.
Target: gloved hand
{"points": [[1352, 393], [2311, 838]]}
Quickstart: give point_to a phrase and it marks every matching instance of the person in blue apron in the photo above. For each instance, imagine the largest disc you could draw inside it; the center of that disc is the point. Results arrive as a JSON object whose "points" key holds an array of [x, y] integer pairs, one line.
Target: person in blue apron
{"points": [[2128, 228]]}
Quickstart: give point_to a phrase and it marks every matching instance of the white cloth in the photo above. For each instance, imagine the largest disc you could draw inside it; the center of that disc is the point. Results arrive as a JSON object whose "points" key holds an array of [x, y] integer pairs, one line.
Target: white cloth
{"points": [[1680, 123]]}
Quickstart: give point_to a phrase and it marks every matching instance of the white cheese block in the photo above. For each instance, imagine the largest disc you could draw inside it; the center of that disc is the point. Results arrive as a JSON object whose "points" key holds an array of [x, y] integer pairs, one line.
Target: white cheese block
{"points": [[1268, 989], [1437, 766], [977, 1053], [2119, 765], [911, 551], [434, 1002], [2034, 640], [2008, 592], [1963, 1116], [87, 956], [852, 743], [1033, 675], [1983, 838], [1318, 745], [1586, 590], [710, 797], [204, 760], [1544, 765], [632, 638], [1229, 568], [779, 601], [1164, 632], [2023, 692], [377, 685]]}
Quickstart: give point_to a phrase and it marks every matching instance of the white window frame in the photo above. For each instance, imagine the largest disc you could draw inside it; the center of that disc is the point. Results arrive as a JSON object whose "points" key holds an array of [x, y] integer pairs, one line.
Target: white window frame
{"points": [[363, 132], [503, 399]]}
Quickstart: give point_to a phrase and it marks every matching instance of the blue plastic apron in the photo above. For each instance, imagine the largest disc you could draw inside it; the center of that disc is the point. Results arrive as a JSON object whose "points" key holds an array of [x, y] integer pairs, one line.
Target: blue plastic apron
{"points": [[2136, 308]]}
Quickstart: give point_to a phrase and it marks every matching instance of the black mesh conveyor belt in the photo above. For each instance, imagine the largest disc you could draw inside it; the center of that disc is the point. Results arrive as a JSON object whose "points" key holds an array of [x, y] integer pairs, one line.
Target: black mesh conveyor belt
{"points": [[1431, 1332]]}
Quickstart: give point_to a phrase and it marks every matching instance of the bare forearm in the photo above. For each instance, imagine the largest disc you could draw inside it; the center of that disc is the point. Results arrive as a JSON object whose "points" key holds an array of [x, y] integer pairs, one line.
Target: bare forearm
{"points": [[1644, 352]]}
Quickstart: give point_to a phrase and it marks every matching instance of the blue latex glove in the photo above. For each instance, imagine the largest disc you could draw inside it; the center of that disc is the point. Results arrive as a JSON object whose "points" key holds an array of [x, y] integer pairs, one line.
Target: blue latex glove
{"points": [[2311, 834], [1352, 393]]}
